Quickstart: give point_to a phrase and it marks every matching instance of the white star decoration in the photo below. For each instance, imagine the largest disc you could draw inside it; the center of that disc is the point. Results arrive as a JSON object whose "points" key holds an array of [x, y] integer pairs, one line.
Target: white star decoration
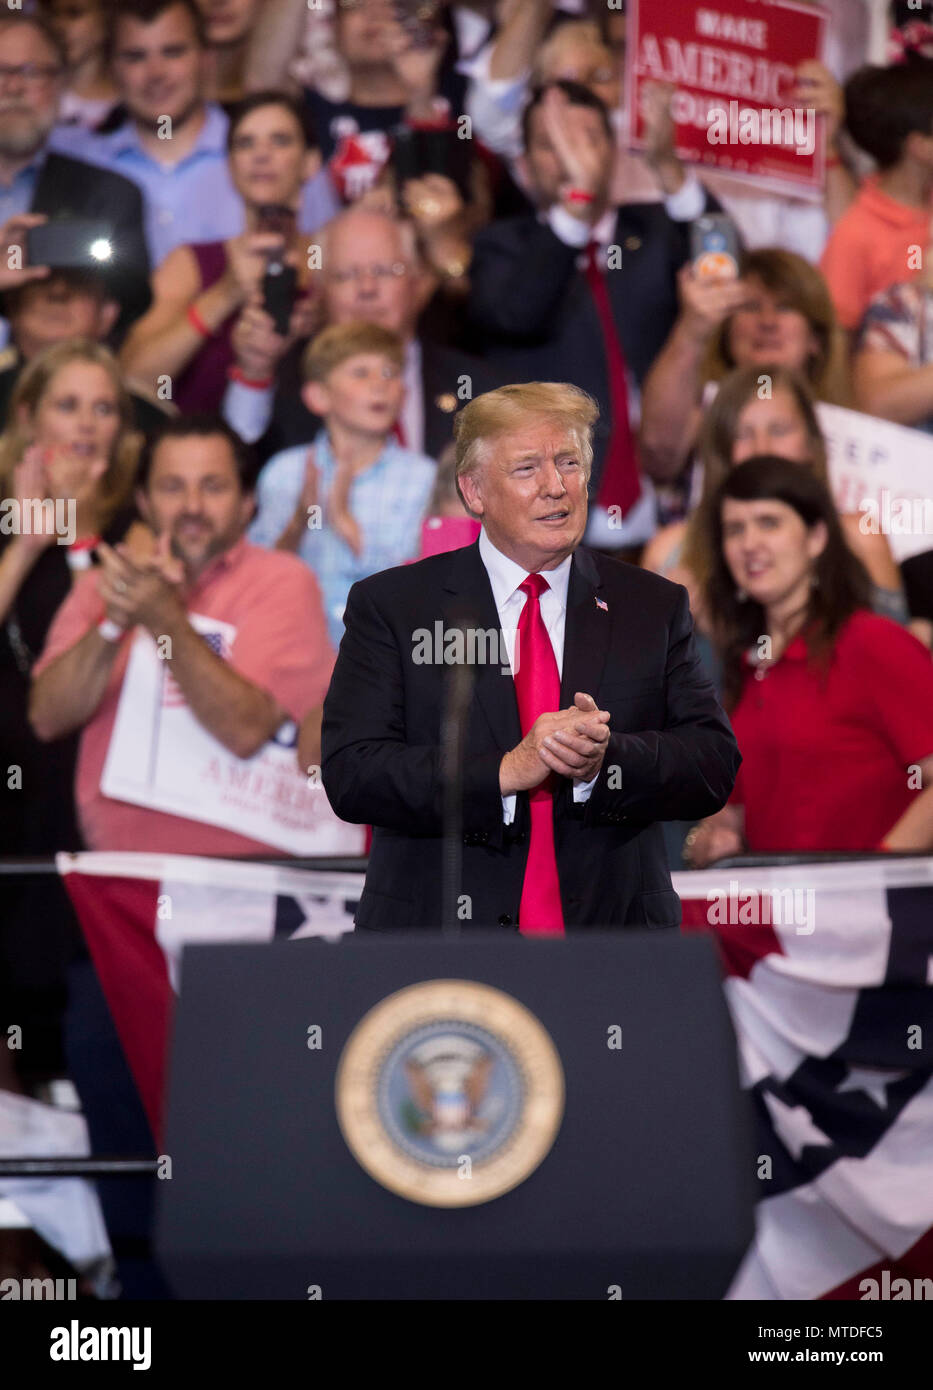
{"points": [[871, 1080], [793, 1125]]}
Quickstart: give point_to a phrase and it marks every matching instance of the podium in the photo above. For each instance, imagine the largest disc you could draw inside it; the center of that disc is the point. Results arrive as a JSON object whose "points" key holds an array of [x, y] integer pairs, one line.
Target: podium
{"points": [[642, 1187]]}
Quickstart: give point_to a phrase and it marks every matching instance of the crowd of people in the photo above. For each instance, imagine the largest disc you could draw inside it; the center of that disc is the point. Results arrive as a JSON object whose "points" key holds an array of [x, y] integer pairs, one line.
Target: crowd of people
{"points": [[330, 226]]}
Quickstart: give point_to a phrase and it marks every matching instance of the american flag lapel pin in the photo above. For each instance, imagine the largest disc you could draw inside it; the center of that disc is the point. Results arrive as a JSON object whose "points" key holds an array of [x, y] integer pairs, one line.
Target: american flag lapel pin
{"points": [[601, 603]]}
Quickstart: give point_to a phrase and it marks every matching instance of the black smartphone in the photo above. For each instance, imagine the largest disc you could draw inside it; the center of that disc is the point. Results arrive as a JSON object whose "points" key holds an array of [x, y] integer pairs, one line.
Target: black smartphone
{"points": [[72, 242], [279, 288], [419, 152]]}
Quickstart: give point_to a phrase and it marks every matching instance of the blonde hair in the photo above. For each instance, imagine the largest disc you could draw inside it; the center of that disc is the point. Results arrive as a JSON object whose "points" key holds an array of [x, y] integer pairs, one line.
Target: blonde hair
{"points": [[508, 407], [341, 341], [34, 381]]}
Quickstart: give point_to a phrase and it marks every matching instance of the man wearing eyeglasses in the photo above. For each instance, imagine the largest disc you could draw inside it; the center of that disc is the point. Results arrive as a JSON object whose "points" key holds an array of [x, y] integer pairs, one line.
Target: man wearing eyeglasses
{"points": [[35, 179], [370, 273]]}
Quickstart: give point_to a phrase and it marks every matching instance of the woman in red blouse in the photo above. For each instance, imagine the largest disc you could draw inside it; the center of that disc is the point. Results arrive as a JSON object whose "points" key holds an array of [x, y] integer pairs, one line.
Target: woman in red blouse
{"points": [[832, 705]]}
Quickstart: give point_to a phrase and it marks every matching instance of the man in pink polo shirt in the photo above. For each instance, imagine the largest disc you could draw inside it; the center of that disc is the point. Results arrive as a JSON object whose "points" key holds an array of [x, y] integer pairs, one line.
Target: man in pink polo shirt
{"points": [[194, 490]]}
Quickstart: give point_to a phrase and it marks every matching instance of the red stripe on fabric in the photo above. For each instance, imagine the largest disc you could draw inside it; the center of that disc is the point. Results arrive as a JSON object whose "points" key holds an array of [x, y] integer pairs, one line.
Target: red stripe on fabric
{"points": [[118, 918], [741, 945], [915, 1263]]}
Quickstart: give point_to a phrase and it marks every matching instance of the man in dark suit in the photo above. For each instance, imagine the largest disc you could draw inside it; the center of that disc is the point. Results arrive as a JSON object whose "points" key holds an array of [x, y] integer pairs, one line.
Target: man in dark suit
{"points": [[371, 272], [607, 726], [34, 178], [548, 287]]}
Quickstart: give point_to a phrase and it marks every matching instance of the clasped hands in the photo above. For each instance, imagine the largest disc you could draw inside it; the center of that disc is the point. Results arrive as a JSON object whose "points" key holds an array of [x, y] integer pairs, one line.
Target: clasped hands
{"points": [[571, 742], [141, 590]]}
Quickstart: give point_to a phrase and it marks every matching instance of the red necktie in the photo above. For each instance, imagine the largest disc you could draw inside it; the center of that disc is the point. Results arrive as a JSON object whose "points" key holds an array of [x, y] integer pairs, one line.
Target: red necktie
{"points": [[537, 690], [620, 484], [398, 429]]}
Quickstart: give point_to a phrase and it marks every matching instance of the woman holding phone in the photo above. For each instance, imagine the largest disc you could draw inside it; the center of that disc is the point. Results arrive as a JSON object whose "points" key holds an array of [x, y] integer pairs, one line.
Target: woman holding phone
{"points": [[778, 311], [215, 304]]}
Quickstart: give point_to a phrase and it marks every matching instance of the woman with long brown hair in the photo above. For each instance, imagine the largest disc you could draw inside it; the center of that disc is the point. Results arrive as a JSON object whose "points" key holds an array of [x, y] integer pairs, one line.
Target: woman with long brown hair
{"points": [[831, 704], [779, 311], [760, 409]]}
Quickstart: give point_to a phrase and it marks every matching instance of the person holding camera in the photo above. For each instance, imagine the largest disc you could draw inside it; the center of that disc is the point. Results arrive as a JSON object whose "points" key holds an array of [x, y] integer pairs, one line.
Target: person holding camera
{"points": [[229, 309]]}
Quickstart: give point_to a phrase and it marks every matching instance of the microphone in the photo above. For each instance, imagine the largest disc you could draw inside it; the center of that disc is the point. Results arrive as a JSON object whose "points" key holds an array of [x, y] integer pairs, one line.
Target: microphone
{"points": [[458, 695]]}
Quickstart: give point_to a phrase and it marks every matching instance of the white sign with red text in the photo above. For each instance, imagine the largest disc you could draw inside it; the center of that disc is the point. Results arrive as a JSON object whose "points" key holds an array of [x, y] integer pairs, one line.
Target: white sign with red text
{"points": [[884, 472], [162, 758]]}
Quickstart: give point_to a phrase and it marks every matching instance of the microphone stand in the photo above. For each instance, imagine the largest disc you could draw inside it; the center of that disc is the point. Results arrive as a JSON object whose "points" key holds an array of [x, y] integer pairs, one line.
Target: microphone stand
{"points": [[453, 736]]}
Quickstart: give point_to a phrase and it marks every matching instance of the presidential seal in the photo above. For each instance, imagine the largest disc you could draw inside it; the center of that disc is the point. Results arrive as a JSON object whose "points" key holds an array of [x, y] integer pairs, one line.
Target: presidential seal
{"points": [[449, 1093]]}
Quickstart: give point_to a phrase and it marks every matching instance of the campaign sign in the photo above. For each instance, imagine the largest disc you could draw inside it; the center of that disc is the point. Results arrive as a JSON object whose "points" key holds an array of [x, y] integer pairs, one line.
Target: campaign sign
{"points": [[883, 472], [732, 65], [160, 756]]}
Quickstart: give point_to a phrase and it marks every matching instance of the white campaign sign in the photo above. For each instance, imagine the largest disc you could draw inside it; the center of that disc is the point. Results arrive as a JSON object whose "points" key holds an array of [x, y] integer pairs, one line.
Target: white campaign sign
{"points": [[883, 471], [161, 757]]}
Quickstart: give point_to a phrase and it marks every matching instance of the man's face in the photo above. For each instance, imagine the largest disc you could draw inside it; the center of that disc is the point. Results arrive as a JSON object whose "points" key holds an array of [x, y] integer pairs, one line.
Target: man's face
{"points": [[363, 394], [81, 24], [28, 105], [541, 162], [367, 277], [228, 21], [531, 494], [49, 311], [363, 31], [194, 494], [158, 67]]}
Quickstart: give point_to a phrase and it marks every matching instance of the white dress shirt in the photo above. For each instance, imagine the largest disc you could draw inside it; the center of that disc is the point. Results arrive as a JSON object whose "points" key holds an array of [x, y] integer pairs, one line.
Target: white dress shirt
{"points": [[411, 416], [505, 576]]}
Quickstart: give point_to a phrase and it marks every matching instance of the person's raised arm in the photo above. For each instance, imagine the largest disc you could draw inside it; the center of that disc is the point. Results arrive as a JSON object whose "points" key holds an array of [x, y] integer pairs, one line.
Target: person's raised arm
{"points": [[183, 315], [164, 340], [238, 713], [818, 91], [522, 27], [67, 689], [14, 270], [887, 386], [670, 398], [277, 38]]}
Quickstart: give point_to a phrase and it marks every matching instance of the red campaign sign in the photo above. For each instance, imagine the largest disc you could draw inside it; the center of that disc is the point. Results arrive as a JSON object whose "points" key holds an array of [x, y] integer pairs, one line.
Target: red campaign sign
{"points": [[732, 65]]}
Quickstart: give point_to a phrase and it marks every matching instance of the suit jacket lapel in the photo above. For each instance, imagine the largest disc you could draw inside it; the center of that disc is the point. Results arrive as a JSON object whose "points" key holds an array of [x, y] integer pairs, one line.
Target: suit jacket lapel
{"points": [[586, 631], [468, 599]]}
